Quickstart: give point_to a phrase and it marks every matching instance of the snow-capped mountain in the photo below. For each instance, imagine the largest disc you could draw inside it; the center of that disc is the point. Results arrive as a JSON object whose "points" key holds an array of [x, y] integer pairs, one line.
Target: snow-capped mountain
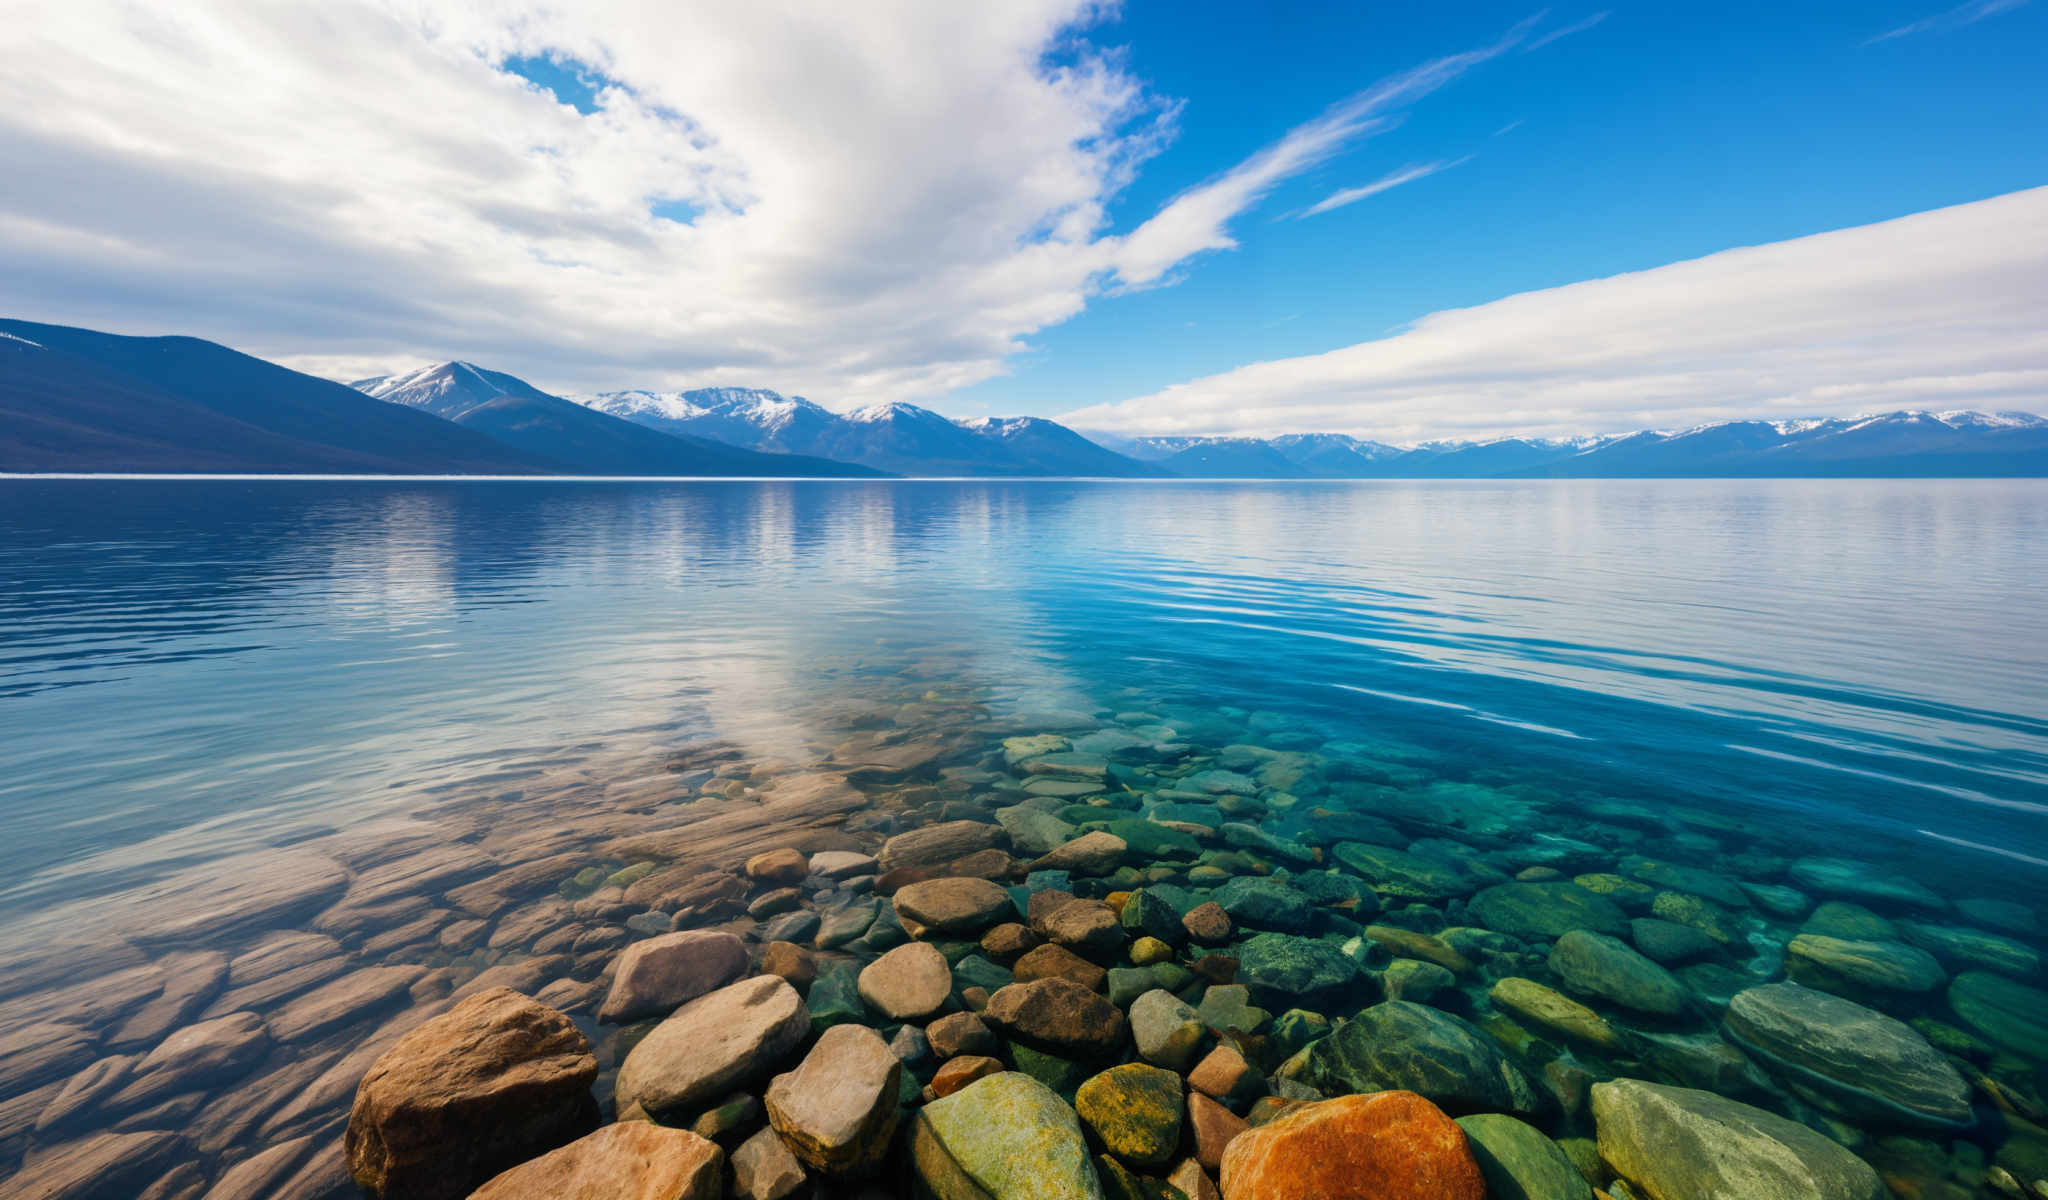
{"points": [[587, 441], [895, 437]]}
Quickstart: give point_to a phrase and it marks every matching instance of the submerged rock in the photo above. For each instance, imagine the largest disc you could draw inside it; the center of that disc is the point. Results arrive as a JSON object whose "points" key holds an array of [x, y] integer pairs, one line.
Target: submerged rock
{"points": [[1519, 1163], [1391, 1146], [955, 905], [908, 983], [1282, 970], [1058, 1014], [1136, 1112], [1167, 1030], [1862, 1062], [632, 1160], [1862, 881], [1006, 1137], [1547, 910], [838, 1109], [1399, 873], [1841, 965], [1678, 1144], [1403, 1046], [2006, 1013], [1264, 903], [1593, 964], [491, 1082], [657, 975], [1554, 1012], [713, 1044]]}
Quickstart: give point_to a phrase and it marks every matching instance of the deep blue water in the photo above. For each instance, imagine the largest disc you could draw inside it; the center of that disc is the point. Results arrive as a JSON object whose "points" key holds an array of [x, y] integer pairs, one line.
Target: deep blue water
{"points": [[190, 668]]}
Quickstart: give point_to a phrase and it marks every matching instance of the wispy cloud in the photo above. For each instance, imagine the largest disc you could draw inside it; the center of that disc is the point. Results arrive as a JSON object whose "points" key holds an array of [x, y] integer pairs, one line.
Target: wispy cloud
{"points": [[1954, 18], [1198, 219], [1580, 26], [1390, 180], [1938, 309]]}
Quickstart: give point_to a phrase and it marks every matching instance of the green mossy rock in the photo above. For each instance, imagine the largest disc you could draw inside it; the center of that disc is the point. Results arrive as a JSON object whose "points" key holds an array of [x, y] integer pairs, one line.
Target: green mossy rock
{"points": [[1135, 1111], [1519, 1162], [1005, 1137]]}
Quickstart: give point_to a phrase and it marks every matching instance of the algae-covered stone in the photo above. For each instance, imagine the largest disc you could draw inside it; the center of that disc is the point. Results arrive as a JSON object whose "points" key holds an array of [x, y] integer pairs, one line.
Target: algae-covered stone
{"points": [[1838, 964], [1593, 964], [1167, 1031], [1554, 1012], [2008, 1014], [1264, 903], [1135, 1110], [1863, 1062], [1282, 969], [1006, 1135], [1399, 1045], [1519, 1162], [1399, 873], [1148, 913], [1547, 910], [1963, 947], [1413, 979], [1668, 942], [1716, 887], [1679, 1144]]}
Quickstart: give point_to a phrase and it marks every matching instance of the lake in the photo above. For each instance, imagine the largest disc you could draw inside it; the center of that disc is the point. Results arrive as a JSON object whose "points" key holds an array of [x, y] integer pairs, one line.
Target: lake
{"points": [[392, 735]]}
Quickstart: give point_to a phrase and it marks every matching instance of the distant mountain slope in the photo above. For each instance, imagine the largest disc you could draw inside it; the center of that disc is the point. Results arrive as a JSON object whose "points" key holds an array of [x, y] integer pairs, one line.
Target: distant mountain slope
{"points": [[900, 438], [78, 400], [592, 442], [1900, 444]]}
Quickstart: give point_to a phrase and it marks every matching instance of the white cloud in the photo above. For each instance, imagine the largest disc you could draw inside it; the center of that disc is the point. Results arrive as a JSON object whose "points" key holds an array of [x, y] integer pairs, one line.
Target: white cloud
{"points": [[1954, 18], [1579, 26], [891, 195], [1941, 309], [1387, 182]]}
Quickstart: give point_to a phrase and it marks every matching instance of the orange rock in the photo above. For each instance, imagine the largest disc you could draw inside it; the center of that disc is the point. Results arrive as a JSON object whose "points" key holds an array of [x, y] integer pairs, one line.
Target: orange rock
{"points": [[1214, 1128], [961, 1071], [1383, 1146], [629, 1161]]}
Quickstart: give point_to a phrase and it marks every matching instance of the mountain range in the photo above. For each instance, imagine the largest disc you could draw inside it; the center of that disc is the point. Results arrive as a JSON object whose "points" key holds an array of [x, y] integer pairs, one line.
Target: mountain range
{"points": [[77, 400]]}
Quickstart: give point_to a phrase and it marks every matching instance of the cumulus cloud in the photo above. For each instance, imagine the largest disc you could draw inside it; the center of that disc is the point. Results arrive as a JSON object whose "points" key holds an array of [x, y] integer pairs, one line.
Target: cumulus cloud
{"points": [[1939, 309], [879, 200]]}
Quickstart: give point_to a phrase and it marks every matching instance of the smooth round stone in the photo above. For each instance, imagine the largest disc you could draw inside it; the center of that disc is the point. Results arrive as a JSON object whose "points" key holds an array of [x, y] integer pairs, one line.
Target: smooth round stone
{"points": [[843, 864], [1095, 853], [1697, 912], [1863, 1062], [1777, 899], [2004, 915], [2006, 1013], [932, 845], [1136, 1112], [1168, 1032], [1965, 947], [1593, 964], [1668, 942], [713, 1044], [908, 983], [1552, 1010], [1007, 1136], [1402, 1046], [1546, 910], [1264, 903], [1413, 979], [1855, 880], [1836, 964], [1674, 1143], [1841, 919], [1678, 878], [1058, 1014], [1519, 1163], [784, 865], [955, 905], [656, 975], [839, 926], [1390, 1146]]}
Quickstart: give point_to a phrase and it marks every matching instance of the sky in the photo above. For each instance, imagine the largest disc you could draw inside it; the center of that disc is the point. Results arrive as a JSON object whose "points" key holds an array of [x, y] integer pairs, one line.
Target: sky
{"points": [[1402, 220]]}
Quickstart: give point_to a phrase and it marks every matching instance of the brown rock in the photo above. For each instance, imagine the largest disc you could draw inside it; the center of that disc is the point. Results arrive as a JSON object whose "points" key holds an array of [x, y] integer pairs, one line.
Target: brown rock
{"points": [[791, 962], [1193, 1181], [657, 975], [1207, 923], [190, 980], [935, 844], [632, 1160], [908, 983], [1387, 1145], [1006, 941], [1047, 962], [960, 1033], [712, 1045], [352, 997], [764, 1169], [1213, 1127], [953, 905], [1060, 1014], [1216, 968], [961, 1071], [197, 1056], [1225, 1075], [1407, 943], [106, 1164], [1096, 853], [491, 1082], [838, 1109], [42, 1053], [778, 866], [985, 864], [1087, 925]]}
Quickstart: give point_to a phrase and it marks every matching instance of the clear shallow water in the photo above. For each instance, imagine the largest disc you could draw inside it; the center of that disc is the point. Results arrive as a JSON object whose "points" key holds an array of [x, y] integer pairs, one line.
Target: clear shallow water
{"points": [[196, 673]]}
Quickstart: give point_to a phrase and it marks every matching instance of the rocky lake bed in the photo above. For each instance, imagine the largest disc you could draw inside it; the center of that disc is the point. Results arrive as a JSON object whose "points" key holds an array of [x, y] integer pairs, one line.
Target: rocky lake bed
{"points": [[1131, 951]]}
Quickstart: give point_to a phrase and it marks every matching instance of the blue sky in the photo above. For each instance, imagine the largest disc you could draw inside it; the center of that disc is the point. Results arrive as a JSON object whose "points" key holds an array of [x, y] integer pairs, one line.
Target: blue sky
{"points": [[1127, 217], [1665, 132]]}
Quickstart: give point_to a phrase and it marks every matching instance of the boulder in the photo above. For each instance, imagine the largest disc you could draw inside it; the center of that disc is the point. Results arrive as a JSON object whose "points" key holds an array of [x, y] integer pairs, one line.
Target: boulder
{"points": [[908, 983], [712, 1045], [1593, 964], [1135, 1111], [492, 1082], [2008, 1014], [661, 973], [1058, 1014], [632, 1160], [1005, 1137], [1843, 965], [208, 1054], [1207, 924], [1963, 947], [1403, 1046], [1084, 925], [764, 1169], [1553, 1012], [1667, 942], [1389, 1146], [954, 905], [838, 1109], [1544, 911], [960, 1033], [1519, 1163], [1862, 1062], [1674, 1143]]}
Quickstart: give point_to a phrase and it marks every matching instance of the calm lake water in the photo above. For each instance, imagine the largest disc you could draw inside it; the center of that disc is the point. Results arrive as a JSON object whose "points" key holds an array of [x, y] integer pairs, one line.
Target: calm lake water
{"points": [[198, 673]]}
